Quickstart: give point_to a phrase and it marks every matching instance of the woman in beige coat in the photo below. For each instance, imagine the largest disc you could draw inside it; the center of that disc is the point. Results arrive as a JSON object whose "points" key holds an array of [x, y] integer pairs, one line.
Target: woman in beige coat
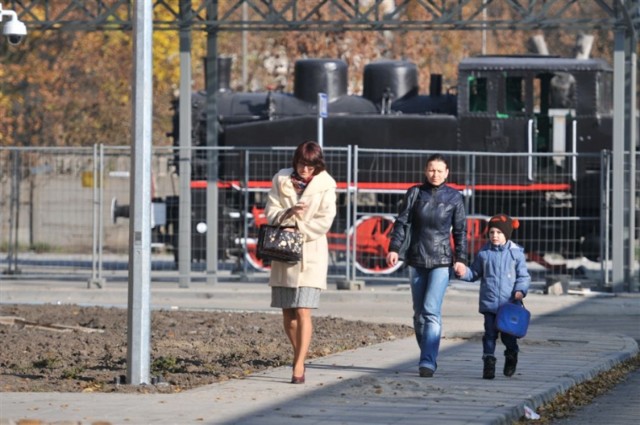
{"points": [[303, 196]]}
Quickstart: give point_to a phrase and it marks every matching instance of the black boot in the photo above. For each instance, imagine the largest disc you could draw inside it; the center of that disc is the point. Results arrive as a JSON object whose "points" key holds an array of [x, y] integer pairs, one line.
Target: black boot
{"points": [[510, 362], [489, 371]]}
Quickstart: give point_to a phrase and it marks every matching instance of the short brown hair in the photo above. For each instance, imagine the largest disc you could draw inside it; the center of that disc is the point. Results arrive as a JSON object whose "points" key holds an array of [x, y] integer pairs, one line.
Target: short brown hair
{"points": [[439, 158], [309, 153]]}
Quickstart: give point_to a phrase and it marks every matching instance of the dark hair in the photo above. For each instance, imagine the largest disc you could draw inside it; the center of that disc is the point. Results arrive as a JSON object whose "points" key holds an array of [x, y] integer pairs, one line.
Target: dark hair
{"points": [[437, 157], [309, 153]]}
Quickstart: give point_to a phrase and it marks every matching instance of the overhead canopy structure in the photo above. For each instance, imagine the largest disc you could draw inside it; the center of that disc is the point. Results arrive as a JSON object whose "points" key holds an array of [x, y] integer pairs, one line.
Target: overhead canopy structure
{"points": [[346, 15]]}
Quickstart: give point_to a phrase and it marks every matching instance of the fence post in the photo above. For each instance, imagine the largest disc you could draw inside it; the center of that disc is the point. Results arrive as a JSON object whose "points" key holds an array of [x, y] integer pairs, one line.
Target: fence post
{"points": [[98, 225], [245, 216], [350, 282], [605, 185], [14, 214]]}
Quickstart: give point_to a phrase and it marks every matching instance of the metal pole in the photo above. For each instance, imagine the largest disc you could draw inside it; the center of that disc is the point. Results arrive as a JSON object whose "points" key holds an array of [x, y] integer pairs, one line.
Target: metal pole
{"points": [[322, 113], [605, 218], [245, 216], [354, 221], [94, 250], [98, 225], [350, 188], [245, 71], [139, 332], [212, 142], [16, 237], [484, 27], [184, 213], [12, 255], [618, 239], [101, 280], [632, 137]]}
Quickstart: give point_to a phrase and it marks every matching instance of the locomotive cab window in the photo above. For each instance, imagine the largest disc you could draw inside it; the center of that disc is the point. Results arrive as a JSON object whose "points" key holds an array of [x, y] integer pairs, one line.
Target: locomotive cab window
{"points": [[477, 89], [514, 95], [603, 90]]}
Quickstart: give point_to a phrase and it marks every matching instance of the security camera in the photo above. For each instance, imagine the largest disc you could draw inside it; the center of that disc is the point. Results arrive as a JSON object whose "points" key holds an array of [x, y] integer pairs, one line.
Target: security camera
{"points": [[15, 31]]}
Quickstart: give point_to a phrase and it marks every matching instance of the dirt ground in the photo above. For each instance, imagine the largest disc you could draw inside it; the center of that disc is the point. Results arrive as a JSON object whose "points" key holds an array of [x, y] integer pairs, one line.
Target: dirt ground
{"points": [[69, 348]]}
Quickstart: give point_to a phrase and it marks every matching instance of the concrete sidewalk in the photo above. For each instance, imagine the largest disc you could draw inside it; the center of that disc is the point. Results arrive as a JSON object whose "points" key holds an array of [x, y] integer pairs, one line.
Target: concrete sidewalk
{"points": [[372, 385]]}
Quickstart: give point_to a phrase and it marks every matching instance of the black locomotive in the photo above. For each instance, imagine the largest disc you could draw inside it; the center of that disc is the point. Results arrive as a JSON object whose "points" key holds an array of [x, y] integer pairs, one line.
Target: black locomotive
{"points": [[514, 104]]}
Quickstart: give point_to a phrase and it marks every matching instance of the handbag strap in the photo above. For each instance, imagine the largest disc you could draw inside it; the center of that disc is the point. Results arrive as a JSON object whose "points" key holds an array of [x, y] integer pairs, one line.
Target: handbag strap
{"points": [[279, 223]]}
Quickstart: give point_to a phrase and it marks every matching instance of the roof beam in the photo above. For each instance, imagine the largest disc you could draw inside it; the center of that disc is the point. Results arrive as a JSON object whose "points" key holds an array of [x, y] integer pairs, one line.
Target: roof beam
{"points": [[346, 15]]}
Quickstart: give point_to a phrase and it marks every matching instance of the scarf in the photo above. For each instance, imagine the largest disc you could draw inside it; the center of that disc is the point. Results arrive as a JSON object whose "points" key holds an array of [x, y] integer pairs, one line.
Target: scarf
{"points": [[299, 184]]}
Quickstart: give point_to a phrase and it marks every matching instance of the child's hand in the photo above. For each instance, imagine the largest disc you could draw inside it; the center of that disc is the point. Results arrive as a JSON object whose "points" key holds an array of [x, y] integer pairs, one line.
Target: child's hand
{"points": [[518, 296], [460, 269]]}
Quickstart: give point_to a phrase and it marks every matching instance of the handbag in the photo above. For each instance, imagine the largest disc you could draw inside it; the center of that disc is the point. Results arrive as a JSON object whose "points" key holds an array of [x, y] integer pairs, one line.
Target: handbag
{"points": [[277, 244], [513, 319]]}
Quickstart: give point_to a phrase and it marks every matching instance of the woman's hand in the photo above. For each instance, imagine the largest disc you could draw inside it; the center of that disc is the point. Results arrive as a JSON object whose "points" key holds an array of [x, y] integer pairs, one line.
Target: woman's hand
{"points": [[299, 208], [392, 258], [460, 269]]}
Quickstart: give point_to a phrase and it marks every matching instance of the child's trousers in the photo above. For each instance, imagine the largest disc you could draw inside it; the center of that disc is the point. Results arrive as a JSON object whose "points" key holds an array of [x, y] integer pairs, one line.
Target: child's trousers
{"points": [[491, 336]]}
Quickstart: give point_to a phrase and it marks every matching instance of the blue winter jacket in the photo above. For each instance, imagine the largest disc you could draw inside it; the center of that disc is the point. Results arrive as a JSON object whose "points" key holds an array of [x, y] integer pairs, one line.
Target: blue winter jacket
{"points": [[502, 270]]}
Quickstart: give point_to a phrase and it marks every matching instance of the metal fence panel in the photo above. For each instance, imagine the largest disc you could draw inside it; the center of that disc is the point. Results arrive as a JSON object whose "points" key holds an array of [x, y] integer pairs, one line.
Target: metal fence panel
{"points": [[60, 208]]}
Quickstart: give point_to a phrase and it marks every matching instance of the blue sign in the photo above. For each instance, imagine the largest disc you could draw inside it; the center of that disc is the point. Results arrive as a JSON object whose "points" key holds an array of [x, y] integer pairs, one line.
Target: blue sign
{"points": [[322, 105]]}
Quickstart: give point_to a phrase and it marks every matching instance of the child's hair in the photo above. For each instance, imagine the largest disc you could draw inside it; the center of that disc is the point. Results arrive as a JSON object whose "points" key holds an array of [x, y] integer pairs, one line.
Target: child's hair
{"points": [[504, 223]]}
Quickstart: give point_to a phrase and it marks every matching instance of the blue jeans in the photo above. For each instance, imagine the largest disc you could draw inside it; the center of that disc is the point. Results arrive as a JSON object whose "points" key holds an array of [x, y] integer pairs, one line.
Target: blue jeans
{"points": [[491, 336], [428, 287]]}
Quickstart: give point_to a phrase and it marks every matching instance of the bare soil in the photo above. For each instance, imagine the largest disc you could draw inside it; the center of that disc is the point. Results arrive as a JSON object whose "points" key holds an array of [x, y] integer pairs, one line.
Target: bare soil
{"points": [[70, 348]]}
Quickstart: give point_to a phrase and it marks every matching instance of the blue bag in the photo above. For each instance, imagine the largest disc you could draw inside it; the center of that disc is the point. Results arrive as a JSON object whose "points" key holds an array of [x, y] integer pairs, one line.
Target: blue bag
{"points": [[513, 319]]}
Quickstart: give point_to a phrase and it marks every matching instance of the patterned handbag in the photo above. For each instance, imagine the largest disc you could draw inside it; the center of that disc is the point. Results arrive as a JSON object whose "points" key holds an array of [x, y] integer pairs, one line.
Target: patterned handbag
{"points": [[277, 244]]}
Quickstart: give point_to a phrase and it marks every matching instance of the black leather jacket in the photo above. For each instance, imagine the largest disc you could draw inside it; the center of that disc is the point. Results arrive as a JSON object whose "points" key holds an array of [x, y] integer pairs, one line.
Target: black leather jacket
{"points": [[437, 213]]}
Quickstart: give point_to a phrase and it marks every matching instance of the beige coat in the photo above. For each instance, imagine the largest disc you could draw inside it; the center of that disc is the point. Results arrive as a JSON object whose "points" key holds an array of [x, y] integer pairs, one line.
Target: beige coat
{"points": [[320, 196]]}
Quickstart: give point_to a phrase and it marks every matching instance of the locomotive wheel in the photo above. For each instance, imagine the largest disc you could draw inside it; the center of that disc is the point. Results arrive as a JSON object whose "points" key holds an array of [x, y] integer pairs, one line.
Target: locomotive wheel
{"points": [[372, 244], [252, 256]]}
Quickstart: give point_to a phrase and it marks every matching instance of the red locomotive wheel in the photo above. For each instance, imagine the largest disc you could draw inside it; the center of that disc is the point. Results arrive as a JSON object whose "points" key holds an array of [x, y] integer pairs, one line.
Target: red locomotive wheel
{"points": [[252, 256], [372, 244]]}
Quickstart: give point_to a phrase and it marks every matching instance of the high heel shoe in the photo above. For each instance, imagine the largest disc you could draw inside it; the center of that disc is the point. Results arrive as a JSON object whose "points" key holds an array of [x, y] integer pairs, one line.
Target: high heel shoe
{"points": [[298, 379]]}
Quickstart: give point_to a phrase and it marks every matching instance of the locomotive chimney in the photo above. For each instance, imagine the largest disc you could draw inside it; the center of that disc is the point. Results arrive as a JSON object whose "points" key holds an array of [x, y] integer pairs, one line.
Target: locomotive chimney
{"points": [[537, 44], [584, 42], [398, 78]]}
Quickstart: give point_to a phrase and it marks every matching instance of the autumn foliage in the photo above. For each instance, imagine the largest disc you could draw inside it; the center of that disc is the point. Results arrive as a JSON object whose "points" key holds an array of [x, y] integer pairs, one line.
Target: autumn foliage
{"points": [[73, 88]]}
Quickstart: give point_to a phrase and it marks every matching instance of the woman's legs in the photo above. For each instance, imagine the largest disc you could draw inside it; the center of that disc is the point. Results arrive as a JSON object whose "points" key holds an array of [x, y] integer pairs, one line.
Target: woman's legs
{"points": [[428, 287], [299, 328]]}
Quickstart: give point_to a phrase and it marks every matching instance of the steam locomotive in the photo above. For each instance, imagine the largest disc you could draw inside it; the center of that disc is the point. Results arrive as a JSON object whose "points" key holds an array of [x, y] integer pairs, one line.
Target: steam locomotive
{"points": [[515, 104]]}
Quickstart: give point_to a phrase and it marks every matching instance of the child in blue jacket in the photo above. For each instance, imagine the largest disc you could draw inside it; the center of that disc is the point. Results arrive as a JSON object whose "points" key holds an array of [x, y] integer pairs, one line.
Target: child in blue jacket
{"points": [[502, 269]]}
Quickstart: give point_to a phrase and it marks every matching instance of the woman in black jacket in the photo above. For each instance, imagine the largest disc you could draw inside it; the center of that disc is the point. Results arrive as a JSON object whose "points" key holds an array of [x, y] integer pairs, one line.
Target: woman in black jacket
{"points": [[430, 215]]}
